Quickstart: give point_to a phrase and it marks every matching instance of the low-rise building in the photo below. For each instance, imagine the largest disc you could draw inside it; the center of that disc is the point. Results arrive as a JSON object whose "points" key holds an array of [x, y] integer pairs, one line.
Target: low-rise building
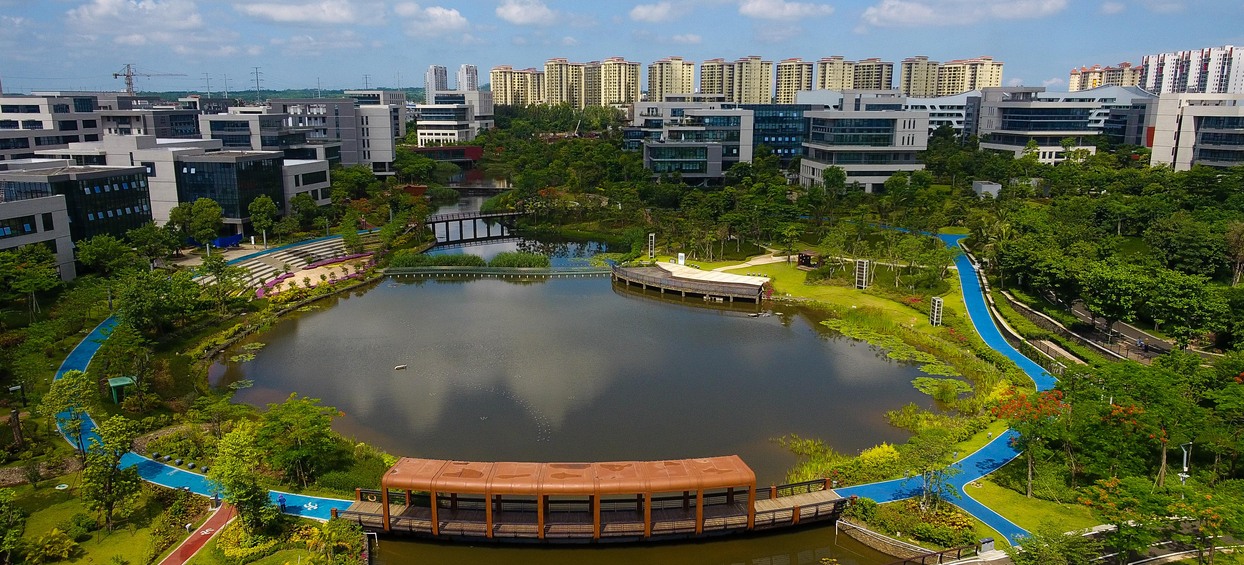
{"points": [[306, 176], [1197, 129], [1012, 118], [453, 116], [31, 123], [98, 199], [233, 179], [870, 138], [39, 221]]}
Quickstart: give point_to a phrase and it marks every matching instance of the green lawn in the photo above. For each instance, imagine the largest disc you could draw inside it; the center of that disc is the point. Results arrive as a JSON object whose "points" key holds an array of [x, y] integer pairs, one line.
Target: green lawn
{"points": [[1031, 513], [48, 508], [209, 556]]}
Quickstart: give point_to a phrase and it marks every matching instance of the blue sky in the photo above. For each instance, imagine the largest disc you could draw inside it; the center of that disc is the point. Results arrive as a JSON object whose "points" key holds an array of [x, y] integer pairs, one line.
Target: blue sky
{"points": [[78, 44]]}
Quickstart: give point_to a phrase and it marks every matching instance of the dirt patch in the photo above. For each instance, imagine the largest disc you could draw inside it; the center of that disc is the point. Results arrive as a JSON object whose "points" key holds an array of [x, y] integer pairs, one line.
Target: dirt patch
{"points": [[13, 476]]}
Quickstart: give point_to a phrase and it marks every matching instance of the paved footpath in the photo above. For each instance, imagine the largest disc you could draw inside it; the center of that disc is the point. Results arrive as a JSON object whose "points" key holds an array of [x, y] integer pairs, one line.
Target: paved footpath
{"points": [[984, 461], [216, 522]]}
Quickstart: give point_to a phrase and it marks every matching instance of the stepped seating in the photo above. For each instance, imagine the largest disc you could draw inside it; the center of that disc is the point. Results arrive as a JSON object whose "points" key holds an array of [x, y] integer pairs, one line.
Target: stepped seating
{"points": [[269, 265]]}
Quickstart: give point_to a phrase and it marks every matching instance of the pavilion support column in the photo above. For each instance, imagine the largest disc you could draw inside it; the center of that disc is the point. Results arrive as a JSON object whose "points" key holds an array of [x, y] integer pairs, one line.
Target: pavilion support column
{"points": [[541, 503], [730, 495], [384, 504], [646, 501], [407, 491], [436, 521], [686, 501], [594, 500], [488, 516], [751, 506], [453, 501], [699, 511]]}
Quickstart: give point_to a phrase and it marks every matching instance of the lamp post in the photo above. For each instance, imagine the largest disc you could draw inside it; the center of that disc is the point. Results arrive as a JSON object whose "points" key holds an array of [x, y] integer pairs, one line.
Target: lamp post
{"points": [[1187, 449], [21, 389]]}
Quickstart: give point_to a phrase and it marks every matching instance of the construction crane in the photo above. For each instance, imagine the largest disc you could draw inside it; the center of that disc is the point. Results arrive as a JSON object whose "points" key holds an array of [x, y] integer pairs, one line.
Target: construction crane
{"points": [[129, 73]]}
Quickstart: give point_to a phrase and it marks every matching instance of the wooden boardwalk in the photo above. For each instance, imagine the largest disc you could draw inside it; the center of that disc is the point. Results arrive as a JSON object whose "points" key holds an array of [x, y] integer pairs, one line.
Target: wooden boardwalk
{"points": [[684, 282]]}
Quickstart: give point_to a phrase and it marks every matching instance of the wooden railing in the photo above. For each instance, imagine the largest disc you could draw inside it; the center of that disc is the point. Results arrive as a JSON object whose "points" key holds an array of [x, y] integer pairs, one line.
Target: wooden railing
{"points": [[694, 287]]}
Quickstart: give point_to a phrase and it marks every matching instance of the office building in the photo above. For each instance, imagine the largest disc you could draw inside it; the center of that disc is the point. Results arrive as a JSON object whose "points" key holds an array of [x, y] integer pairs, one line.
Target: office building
{"points": [[835, 73], [871, 138], [918, 77], [468, 78], [671, 75], [793, 75], [516, 87], [38, 221], [233, 179], [874, 74], [1213, 70], [1087, 78], [454, 116], [436, 79], [1011, 117], [1191, 129], [31, 123], [99, 200]]}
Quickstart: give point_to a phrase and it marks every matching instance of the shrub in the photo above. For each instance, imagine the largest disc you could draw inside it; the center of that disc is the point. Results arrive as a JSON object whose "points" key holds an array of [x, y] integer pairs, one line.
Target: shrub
{"points": [[52, 546], [520, 259], [79, 526], [169, 527], [408, 258], [238, 547], [442, 194], [863, 509]]}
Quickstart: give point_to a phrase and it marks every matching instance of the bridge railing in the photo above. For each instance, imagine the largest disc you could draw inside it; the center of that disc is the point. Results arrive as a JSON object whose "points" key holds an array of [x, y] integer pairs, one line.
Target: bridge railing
{"points": [[438, 218]]}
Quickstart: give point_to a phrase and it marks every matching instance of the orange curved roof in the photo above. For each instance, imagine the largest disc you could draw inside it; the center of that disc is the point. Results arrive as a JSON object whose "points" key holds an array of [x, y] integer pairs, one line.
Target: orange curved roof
{"points": [[615, 477]]}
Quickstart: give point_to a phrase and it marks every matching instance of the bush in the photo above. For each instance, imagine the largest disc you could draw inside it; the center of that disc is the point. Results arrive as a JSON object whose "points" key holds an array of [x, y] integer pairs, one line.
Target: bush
{"points": [[79, 526], [52, 546], [442, 194], [409, 258], [238, 547], [863, 509], [520, 259], [169, 527]]}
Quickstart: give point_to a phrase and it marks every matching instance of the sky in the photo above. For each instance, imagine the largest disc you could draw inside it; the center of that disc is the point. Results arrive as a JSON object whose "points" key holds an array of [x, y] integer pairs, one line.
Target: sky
{"points": [[78, 44]]}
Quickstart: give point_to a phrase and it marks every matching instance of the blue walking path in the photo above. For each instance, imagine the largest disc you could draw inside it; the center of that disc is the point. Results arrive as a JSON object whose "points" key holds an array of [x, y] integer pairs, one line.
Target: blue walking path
{"points": [[984, 461], [994, 454], [168, 475]]}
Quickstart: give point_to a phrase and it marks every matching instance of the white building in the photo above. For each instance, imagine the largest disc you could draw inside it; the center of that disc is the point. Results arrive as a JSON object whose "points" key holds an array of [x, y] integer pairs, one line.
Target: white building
{"points": [[871, 139], [435, 80], [453, 116], [1198, 129], [1010, 118], [31, 123], [468, 78], [1209, 71]]}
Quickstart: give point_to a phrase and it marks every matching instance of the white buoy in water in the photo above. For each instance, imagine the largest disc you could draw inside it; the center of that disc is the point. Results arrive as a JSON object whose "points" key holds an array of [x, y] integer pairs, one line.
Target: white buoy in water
{"points": [[399, 367]]}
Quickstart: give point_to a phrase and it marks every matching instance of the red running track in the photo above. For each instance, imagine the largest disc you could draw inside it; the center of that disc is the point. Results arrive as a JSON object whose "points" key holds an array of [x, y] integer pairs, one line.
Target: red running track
{"points": [[201, 536]]}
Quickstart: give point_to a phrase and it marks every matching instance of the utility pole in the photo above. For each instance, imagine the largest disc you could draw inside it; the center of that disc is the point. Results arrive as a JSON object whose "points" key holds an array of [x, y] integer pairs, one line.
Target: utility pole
{"points": [[226, 86], [366, 82], [207, 79], [317, 87], [258, 88]]}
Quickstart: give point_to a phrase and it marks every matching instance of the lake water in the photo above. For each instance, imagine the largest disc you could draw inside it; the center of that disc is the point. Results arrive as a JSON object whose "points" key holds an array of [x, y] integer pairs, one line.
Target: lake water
{"points": [[577, 370]]}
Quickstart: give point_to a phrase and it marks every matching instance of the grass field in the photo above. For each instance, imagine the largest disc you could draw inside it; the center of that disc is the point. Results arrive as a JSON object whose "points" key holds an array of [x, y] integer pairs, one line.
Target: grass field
{"points": [[1031, 513]]}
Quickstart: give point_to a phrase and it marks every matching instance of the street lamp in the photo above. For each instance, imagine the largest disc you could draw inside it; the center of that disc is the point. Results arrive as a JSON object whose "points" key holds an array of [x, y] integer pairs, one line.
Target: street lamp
{"points": [[21, 389], [1187, 449]]}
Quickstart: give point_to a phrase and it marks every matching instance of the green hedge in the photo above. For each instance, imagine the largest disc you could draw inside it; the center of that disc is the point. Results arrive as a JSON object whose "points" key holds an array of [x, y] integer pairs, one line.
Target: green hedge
{"points": [[520, 260], [410, 258]]}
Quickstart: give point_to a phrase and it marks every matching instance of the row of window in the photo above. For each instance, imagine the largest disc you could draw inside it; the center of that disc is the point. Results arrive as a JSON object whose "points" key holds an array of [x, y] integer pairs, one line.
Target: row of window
{"points": [[141, 183], [92, 216]]}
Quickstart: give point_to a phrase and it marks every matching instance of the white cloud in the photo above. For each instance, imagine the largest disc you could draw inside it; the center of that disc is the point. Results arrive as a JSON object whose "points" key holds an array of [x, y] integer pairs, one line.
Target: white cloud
{"points": [[1165, 7], [120, 15], [1111, 8], [1015, 82], [911, 13], [1054, 83], [783, 10], [526, 12], [654, 13], [569, 41], [687, 39], [317, 12], [317, 44], [776, 33], [433, 21]]}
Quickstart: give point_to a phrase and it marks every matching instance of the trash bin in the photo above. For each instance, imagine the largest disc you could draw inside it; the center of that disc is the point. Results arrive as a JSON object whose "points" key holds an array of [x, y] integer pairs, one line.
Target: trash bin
{"points": [[986, 545]]}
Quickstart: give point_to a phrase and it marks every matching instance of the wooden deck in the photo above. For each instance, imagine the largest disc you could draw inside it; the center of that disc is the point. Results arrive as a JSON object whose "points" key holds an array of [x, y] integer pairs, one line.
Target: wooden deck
{"points": [[661, 279]]}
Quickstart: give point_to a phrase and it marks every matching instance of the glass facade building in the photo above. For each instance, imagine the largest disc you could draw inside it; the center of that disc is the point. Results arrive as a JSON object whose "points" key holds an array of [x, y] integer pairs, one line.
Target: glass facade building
{"points": [[100, 200], [232, 179]]}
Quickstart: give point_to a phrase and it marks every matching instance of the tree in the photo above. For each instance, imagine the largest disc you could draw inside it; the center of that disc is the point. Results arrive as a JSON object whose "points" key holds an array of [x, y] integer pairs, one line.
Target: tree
{"points": [[1031, 416], [1188, 305], [263, 213], [205, 220], [1113, 291], [28, 271], [233, 476], [1132, 507], [179, 218], [1235, 250], [152, 300], [152, 241], [336, 540], [930, 453], [12, 524], [1050, 546], [67, 402], [226, 279], [1184, 244], [105, 254], [105, 485], [297, 437]]}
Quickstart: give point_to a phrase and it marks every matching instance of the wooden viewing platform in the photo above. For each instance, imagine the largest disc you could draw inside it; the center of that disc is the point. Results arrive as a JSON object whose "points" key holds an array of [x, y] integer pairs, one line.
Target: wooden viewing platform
{"points": [[683, 280], [625, 501]]}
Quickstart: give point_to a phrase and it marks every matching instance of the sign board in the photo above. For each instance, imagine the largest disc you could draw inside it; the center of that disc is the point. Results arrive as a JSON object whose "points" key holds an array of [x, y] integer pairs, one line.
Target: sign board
{"points": [[935, 311], [652, 246], [682, 258], [861, 274]]}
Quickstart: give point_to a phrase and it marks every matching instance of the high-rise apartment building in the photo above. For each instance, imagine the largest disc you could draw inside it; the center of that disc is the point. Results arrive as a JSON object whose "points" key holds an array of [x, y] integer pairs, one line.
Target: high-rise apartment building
{"points": [[1086, 78], [717, 77], [753, 81], [671, 75], [563, 82], [1213, 70], [436, 80], [619, 82], [874, 74], [963, 75], [468, 78], [793, 75], [516, 87], [835, 73], [918, 76]]}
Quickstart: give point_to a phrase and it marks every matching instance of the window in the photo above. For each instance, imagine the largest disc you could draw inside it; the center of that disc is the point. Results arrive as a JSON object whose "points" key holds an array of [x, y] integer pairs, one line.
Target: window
{"points": [[151, 168], [47, 222]]}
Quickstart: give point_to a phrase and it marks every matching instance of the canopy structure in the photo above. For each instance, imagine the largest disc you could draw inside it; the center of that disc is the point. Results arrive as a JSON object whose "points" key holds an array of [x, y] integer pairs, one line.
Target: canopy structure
{"points": [[580, 491]]}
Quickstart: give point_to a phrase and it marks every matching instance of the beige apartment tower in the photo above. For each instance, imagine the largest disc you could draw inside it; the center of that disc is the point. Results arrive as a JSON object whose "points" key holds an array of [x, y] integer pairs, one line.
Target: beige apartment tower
{"points": [[563, 83], [671, 75], [753, 81], [516, 87], [1086, 78], [874, 74], [619, 82], [963, 75], [918, 77], [793, 75], [717, 77], [835, 73]]}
